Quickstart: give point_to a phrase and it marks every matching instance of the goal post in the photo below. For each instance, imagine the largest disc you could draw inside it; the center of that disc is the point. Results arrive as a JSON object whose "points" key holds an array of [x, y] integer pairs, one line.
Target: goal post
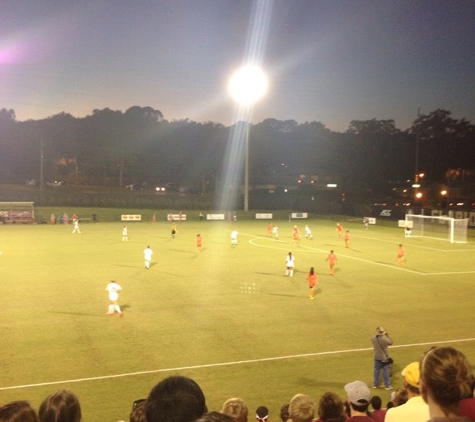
{"points": [[438, 227]]}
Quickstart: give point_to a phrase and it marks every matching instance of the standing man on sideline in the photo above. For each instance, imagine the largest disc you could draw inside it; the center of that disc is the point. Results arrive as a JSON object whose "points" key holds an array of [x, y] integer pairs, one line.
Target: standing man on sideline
{"points": [[415, 409], [147, 252], [113, 288], [381, 341]]}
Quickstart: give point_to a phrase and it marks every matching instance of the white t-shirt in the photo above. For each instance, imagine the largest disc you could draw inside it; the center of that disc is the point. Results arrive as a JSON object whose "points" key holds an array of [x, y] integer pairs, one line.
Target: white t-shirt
{"points": [[234, 234], [148, 254], [113, 289], [290, 261]]}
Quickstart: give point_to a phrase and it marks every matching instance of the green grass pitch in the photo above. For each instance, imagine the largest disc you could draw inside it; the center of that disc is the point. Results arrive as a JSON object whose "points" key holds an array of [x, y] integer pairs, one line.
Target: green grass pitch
{"points": [[227, 317]]}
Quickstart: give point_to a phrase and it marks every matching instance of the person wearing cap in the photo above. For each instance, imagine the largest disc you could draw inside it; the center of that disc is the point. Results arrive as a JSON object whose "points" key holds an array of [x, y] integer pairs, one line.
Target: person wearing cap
{"points": [[381, 341], [358, 397], [415, 409]]}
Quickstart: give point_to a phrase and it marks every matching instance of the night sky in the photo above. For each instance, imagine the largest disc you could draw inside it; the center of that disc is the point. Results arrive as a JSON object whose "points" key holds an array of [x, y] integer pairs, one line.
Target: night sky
{"points": [[327, 60]]}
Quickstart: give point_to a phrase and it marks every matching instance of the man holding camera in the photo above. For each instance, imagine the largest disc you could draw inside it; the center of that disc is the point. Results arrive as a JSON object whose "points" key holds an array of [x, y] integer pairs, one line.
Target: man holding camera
{"points": [[382, 361]]}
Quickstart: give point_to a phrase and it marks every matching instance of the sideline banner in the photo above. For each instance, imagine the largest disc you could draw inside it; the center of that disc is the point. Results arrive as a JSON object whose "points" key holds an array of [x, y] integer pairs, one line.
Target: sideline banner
{"points": [[131, 217], [299, 215], [215, 216], [264, 216]]}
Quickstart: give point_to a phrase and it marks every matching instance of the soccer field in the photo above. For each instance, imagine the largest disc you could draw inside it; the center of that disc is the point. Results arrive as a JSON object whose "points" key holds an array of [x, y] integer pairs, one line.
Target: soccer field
{"points": [[227, 317]]}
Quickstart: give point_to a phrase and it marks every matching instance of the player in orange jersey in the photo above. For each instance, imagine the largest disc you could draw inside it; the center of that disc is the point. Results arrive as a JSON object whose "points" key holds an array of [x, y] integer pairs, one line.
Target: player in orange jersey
{"points": [[339, 229], [199, 242], [347, 239], [296, 235], [312, 278], [269, 230], [331, 258], [401, 254]]}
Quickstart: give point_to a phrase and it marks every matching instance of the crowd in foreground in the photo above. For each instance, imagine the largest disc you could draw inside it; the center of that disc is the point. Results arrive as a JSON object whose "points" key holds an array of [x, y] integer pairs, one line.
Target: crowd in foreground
{"points": [[439, 388]]}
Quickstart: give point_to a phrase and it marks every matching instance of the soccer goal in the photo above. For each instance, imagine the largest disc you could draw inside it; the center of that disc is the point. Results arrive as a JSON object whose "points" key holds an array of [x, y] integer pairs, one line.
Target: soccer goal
{"points": [[438, 227]]}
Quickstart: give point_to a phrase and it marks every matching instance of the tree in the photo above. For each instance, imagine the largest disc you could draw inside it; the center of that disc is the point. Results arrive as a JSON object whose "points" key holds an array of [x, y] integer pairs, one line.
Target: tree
{"points": [[445, 142]]}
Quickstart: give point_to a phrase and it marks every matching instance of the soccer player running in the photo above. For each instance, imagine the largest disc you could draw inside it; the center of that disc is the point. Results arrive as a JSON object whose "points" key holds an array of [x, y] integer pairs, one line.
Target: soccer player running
{"points": [[347, 239], [339, 229], [331, 258], [147, 252], [308, 233], [113, 288], [269, 230], [199, 242], [290, 264], [312, 278], [401, 254], [296, 235]]}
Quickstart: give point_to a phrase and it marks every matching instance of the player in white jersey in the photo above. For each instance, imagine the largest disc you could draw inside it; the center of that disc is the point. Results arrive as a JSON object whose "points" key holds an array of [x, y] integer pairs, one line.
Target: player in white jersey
{"points": [[234, 235], [113, 288], [290, 263], [125, 234], [308, 233], [147, 252]]}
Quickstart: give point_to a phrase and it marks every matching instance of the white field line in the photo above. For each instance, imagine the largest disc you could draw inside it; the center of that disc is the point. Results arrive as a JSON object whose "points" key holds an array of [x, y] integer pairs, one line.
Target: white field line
{"points": [[394, 267], [233, 363], [416, 246]]}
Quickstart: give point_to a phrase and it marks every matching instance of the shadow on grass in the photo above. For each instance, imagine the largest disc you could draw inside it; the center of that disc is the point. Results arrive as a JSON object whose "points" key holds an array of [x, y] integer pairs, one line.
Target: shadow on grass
{"points": [[182, 250]]}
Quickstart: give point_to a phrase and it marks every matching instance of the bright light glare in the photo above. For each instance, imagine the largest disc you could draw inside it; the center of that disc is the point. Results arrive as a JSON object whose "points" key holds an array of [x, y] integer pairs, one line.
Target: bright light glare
{"points": [[248, 84]]}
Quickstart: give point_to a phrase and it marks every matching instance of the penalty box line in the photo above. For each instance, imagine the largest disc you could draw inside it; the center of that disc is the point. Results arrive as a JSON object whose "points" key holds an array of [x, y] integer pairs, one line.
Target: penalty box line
{"points": [[345, 256], [233, 363], [355, 258]]}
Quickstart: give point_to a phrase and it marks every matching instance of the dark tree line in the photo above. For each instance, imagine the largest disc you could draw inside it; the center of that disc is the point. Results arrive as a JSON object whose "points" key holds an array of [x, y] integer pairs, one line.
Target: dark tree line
{"points": [[139, 145]]}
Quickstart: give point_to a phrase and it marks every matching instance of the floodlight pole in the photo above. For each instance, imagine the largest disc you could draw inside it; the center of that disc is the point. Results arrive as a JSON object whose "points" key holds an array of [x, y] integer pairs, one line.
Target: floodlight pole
{"points": [[246, 171]]}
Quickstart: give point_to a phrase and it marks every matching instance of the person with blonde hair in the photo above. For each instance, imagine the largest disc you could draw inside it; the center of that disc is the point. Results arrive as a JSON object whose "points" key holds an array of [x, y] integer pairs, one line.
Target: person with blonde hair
{"points": [[236, 408], [302, 408], [446, 378]]}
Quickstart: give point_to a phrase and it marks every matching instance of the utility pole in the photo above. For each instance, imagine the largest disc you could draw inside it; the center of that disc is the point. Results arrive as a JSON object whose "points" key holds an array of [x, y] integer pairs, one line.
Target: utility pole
{"points": [[42, 181], [416, 173]]}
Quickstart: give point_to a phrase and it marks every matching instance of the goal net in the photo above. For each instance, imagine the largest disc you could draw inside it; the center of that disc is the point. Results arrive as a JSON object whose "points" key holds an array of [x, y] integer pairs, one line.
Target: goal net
{"points": [[438, 227]]}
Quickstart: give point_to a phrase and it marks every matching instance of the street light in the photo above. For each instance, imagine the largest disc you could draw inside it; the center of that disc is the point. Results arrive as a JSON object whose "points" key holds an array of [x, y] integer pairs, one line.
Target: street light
{"points": [[247, 85]]}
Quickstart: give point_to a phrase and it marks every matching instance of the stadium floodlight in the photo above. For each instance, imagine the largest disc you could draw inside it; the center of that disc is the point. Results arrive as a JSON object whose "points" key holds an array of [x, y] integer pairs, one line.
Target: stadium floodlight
{"points": [[438, 227], [247, 85]]}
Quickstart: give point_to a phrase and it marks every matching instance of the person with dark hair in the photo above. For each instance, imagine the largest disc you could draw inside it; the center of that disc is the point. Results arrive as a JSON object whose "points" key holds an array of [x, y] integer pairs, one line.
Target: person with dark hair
{"points": [[236, 408], [290, 264], [330, 408], [175, 399], [377, 413], [18, 411], [415, 409], [358, 399], [60, 406], [446, 379], [138, 411], [262, 414], [312, 278], [284, 412], [381, 341]]}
